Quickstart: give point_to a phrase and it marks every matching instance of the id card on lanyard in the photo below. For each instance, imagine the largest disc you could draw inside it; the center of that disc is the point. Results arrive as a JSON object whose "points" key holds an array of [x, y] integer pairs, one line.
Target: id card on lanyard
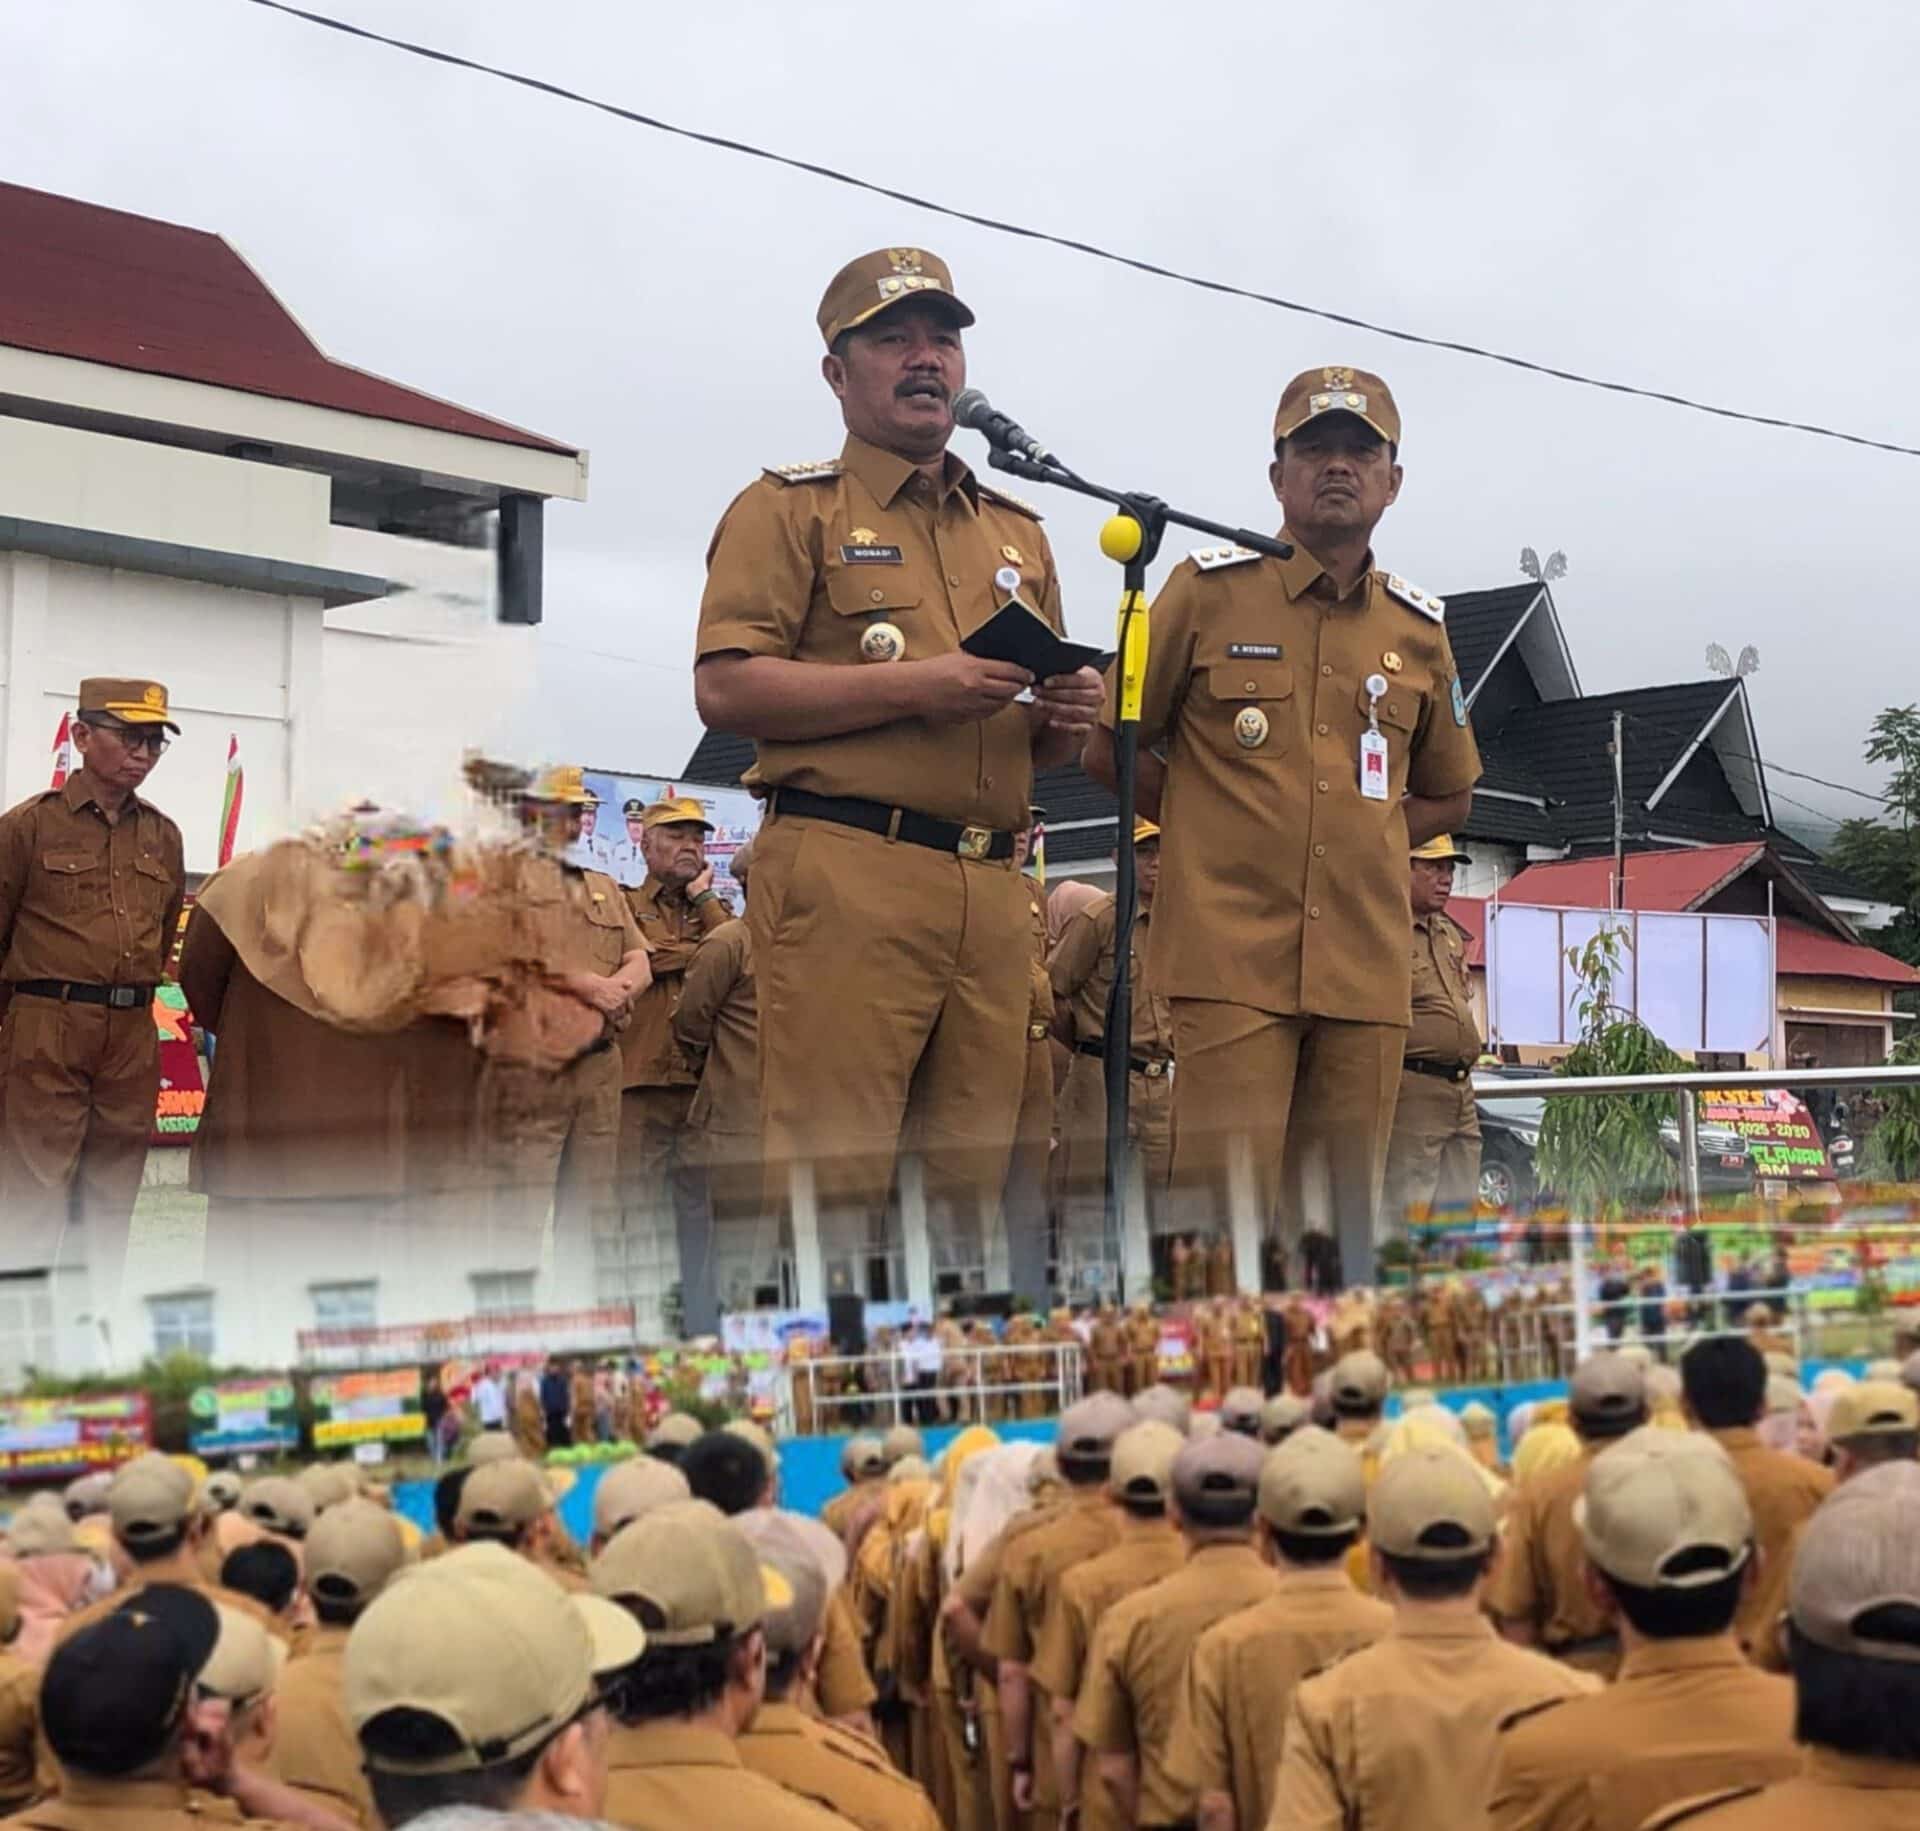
{"points": [[1373, 747]]}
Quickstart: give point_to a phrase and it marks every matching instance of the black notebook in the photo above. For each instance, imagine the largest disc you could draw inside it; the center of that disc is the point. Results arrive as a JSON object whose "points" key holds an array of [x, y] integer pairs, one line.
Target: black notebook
{"points": [[1027, 640]]}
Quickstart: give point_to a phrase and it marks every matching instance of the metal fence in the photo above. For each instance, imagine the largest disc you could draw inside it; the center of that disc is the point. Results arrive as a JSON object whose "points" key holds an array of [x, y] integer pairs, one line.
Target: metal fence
{"points": [[830, 1393]]}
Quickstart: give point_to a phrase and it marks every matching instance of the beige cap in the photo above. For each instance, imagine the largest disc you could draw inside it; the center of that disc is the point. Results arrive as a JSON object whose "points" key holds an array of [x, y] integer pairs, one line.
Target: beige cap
{"points": [[493, 1446], [151, 1496], [1637, 1353], [86, 1494], [221, 1491], [1142, 1466], [695, 1568], [1477, 1420], [38, 1532], [1089, 1429], [1216, 1483], [1656, 1496], [503, 1497], [795, 1625], [489, 1644], [1783, 1395], [864, 1458], [1885, 1369], [909, 1468], [1873, 1408], [873, 283], [632, 1488], [1360, 1381], [1043, 1472], [1282, 1415], [329, 1483], [760, 1437], [1607, 1388], [1431, 1503], [675, 1430], [903, 1441], [1314, 1484], [245, 1662], [1860, 1552], [353, 1551], [1240, 1410], [1163, 1404], [774, 1531], [279, 1504]]}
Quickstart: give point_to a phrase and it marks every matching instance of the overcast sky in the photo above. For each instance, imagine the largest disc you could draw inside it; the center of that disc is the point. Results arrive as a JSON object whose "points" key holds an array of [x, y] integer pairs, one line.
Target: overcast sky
{"points": [[1713, 199]]}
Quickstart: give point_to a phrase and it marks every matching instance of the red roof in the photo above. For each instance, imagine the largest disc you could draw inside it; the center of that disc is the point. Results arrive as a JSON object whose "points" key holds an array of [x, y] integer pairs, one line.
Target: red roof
{"points": [[132, 293], [1806, 951], [1676, 880], [1471, 913]]}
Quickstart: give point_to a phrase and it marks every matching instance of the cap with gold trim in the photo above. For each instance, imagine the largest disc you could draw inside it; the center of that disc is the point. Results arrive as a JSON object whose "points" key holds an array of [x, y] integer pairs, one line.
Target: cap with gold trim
{"points": [[1316, 392], [676, 810], [132, 702], [876, 282]]}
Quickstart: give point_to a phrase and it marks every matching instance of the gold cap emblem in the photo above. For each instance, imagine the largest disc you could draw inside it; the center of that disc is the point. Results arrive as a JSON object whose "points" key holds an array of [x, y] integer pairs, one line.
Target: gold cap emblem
{"points": [[1012, 556], [1391, 661], [905, 260], [882, 642], [156, 697], [1250, 728], [1337, 379]]}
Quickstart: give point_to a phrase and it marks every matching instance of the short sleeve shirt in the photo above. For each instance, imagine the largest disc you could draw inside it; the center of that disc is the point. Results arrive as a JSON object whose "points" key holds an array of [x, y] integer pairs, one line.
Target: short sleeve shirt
{"points": [[1282, 887], [1081, 970], [807, 561], [1444, 1029]]}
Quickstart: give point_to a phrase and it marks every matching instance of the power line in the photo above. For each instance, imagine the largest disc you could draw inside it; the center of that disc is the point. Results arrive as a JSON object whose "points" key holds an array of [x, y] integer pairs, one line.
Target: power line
{"points": [[1227, 289]]}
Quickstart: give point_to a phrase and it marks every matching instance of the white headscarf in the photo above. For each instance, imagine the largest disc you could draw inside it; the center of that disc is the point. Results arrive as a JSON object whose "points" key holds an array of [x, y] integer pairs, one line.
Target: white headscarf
{"points": [[991, 1490]]}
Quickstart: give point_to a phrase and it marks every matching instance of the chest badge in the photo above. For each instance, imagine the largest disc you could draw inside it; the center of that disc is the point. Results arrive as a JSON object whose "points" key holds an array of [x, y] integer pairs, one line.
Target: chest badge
{"points": [[863, 537], [882, 642], [1250, 728], [1012, 556], [1391, 661]]}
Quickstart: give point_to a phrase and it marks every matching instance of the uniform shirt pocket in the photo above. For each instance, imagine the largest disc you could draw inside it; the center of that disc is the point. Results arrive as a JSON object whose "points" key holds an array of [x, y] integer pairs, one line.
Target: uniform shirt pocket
{"points": [[609, 943], [1250, 710], [863, 598], [78, 880], [153, 885]]}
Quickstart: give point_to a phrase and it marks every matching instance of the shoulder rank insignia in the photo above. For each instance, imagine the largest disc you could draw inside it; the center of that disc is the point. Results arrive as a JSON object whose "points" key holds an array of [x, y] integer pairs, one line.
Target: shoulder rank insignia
{"points": [[1423, 601], [1211, 559], [1011, 501], [819, 469]]}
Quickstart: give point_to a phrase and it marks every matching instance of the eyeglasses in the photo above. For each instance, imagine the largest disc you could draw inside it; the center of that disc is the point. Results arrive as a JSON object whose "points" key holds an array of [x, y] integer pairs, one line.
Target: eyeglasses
{"points": [[153, 740]]}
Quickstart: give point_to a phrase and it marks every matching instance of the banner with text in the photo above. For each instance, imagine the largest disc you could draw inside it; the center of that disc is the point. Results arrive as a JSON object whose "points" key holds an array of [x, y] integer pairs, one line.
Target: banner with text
{"points": [[610, 835], [244, 1418], [350, 1409], [57, 1439]]}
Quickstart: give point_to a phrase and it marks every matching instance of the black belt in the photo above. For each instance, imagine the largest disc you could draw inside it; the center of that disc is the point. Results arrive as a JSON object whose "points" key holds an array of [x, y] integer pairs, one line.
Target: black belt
{"points": [[118, 997], [1153, 1067], [978, 842], [1441, 1071]]}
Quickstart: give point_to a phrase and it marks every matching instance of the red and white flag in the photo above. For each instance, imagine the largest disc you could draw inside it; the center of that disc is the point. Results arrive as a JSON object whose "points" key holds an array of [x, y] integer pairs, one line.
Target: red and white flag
{"points": [[230, 807], [63, 752]]}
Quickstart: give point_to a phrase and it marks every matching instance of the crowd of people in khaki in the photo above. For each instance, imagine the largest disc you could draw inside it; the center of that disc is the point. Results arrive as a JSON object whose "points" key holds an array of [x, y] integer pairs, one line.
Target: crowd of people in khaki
{"points": [[1277, 1613]]}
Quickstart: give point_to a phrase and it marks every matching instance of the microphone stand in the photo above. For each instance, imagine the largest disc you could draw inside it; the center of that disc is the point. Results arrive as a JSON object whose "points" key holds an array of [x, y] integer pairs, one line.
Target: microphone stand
{"points": [[1132, 537]]}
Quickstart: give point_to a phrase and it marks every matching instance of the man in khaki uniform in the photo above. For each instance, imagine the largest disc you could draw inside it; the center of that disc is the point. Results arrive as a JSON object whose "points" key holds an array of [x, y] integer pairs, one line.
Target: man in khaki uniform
{"points": [[1669, 1541], [1137, 1668], [1107, 1352], [510, 1503], [353, 1552], [1358, 1388], [1314, 730], [19, 1699], [838, 1769], [1377, 1741], [1724, 1383], [1226, 1744], [1081, 969], [1853, 1627], [891, 939], [91, 884], [1140, 1484], [676, 908], [1029, 1588], [1143, 1349], [864, 1464], [1433, 1155], [476, 1678], [1541, 1594], [675, 1757]]}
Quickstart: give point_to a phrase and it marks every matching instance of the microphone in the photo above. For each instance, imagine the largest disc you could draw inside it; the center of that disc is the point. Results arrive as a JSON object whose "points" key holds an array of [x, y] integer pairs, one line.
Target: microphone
{"points": [[972, 408]]}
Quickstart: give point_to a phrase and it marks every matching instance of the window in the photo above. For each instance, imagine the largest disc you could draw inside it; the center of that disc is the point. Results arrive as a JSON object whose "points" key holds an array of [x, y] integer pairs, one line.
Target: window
{"points": [[183, 1324], [26, 1326], [345, 1306], [503, 1293]]}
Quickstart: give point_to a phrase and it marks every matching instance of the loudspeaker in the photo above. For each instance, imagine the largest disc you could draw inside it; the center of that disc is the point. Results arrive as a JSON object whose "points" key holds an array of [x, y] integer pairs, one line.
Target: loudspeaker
{"points": [[847, 1323]]}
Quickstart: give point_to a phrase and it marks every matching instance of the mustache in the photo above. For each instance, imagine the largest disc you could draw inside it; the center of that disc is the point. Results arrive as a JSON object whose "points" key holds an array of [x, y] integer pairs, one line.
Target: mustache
{"points": [[922, 384]]}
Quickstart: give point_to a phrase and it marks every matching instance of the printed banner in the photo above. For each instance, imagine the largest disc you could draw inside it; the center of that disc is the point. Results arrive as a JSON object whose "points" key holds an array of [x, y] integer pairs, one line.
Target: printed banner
{"points": [[183, 1087], [610, 836], [1782, 1141], [244, 1418], [353, 1408], [57, 1439]]}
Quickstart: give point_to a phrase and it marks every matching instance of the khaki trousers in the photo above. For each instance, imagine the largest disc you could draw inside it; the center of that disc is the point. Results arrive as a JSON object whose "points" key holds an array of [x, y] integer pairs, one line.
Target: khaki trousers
{"points": [[1433, 1153], [548, 1141]]}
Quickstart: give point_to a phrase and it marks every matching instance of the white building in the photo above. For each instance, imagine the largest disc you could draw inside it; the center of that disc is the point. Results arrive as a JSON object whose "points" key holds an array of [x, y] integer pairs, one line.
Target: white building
{"points": [[341, 572]]}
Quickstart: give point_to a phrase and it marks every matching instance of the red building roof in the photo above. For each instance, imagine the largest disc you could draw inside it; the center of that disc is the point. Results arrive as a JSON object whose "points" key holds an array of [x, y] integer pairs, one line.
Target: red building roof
{"points": [[133, 293], [1807, 952], [1675, 880]]}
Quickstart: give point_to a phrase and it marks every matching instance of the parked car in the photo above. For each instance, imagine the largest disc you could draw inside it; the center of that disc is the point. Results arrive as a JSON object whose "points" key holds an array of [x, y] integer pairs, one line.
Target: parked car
{"points": [[1509, 1141]]}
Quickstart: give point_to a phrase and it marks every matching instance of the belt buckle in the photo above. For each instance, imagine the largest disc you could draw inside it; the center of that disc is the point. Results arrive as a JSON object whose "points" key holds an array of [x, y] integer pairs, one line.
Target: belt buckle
{"points": [[1155, 1070], [1035, 1032], [123, 997], [975, 842]]}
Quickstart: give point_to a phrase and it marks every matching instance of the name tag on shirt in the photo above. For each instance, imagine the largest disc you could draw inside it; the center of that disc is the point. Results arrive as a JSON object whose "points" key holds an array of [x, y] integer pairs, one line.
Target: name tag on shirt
{"points": [[1253, 651], [1373, 766], [871, 556]]}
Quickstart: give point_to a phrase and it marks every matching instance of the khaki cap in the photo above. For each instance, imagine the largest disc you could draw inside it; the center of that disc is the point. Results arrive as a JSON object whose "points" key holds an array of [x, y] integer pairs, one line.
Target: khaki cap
{"points": [[1240, 1410], [630, 1489], [759, 1436], [1440, 849], [1431, 1503], [493, 1446], [864, 1458], [1885, 1369], [132, 702], [695, 1569], [1607, 1388], [1314, 1484], [1360, 1380], [1282, 1415], [909, 1468], [1314, 392], [221, 1491], [503, 1497], [795, 1625], [903, 1441], [675, 1430], [1656, 1496], [150, 1497], [329, 1483], [1163, 1404], [1874, 1408], [1857, 1554], [245, 1662], [489, 1644], [676, 810], [1142, 1466], [1783, 1395], [876, 282], [1477, 1420], [278, 1503], [38, 1532], [1217, 1482], [86, 1494], [1089, 1429], [1043, 1473], [353, 1551], [561, 785], [1143, 831]]}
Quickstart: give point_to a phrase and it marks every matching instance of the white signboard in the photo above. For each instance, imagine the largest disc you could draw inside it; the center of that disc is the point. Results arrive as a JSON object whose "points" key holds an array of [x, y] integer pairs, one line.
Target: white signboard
{"points": [[1698, 982], [611, 839]]}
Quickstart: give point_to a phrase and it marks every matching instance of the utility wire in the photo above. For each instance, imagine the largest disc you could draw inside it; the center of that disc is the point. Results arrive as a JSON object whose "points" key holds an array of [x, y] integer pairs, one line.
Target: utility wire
{"points": [[1225, 288]]}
